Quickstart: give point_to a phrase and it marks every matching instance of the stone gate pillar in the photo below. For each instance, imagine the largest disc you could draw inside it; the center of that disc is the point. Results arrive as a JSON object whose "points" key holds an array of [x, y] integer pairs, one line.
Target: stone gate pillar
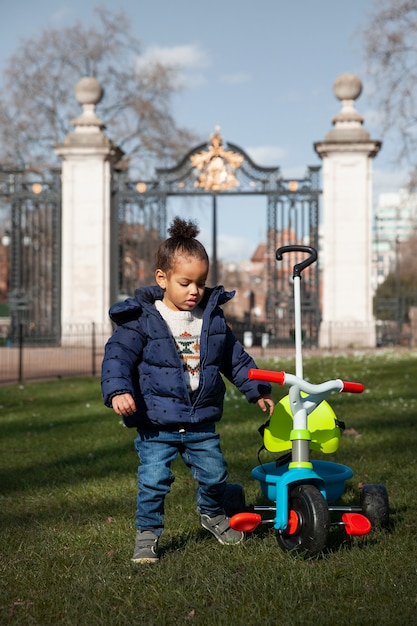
{"points": [[347, 152], [87, 156]]}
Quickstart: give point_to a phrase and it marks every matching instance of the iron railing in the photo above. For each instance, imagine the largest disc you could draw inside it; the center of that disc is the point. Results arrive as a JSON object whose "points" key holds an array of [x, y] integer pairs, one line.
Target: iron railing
{"points": [[23, 359]]}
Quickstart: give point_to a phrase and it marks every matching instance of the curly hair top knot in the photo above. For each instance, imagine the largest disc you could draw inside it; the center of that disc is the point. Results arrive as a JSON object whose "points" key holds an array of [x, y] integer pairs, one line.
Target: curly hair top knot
{"points": [[180, 229]]}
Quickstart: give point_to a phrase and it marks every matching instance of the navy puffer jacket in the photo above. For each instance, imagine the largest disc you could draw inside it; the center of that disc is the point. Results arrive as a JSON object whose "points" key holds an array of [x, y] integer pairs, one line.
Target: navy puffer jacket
{"points": [[141, 359]]}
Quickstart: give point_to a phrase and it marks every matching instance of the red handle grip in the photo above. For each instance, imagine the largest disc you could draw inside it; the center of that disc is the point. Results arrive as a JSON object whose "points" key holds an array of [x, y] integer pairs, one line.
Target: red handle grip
{"points": [[271, 377], [352, 387]]}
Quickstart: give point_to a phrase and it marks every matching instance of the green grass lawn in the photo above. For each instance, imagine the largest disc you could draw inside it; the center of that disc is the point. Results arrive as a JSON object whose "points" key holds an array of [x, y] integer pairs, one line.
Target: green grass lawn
{"points": [[67, 501]]}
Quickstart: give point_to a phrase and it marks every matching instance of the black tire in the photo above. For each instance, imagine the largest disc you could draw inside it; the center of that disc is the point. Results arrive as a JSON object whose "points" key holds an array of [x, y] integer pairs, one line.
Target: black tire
{"points": [[313, 522], [234, 499], [375, 504]]}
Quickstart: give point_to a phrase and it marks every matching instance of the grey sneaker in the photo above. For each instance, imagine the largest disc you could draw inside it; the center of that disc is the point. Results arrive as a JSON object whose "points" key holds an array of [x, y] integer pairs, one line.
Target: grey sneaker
{"points": [[219, 527], [146, 547]]}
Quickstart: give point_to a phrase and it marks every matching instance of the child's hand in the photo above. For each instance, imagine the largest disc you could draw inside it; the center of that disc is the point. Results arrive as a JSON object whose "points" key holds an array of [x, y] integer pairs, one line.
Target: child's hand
{"points": [[266, 401], [124, 404]]}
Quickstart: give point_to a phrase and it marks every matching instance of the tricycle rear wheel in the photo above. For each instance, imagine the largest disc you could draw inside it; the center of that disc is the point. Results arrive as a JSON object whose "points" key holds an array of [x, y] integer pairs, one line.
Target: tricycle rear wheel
{"points": [[375, 504], [309, 534], [234, 499]]}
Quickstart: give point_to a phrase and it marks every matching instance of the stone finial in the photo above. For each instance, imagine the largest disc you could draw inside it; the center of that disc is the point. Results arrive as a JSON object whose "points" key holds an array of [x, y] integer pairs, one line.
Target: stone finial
{"points": [[347, 87], [88, 136], [88, 92], [348, 122]]}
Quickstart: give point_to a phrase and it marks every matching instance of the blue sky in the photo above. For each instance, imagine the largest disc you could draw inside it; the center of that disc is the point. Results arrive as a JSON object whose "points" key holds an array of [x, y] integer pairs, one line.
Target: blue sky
{"points": [[263, 71]]}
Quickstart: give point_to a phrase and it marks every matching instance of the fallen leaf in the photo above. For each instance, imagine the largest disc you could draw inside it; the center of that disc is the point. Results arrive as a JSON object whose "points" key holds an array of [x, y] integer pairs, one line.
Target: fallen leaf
{"points": [[351, 432]]}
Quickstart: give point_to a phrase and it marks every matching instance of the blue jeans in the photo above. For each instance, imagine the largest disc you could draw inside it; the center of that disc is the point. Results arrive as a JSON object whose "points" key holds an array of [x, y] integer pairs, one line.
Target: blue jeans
{"points": [[200, 451]]}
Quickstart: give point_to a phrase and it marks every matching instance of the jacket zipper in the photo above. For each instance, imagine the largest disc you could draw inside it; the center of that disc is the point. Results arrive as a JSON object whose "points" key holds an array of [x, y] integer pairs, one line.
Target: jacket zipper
{"points": [[201, 382]]}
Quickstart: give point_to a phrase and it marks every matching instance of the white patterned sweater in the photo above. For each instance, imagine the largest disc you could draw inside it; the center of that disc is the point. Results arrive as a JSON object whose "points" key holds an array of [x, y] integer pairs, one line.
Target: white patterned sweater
{"points": [[185, 327]]}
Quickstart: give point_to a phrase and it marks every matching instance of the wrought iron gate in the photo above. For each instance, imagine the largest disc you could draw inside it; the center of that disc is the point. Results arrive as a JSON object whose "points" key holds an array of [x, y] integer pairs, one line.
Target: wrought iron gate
{"points": [[32, 232], [215, 170], [139, 211], [293, 217], [31, 242]]}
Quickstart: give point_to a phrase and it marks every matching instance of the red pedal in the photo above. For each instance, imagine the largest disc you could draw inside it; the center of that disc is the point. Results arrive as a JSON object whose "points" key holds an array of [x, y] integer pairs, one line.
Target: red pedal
{"points": [[356, 524], [245, 522]]}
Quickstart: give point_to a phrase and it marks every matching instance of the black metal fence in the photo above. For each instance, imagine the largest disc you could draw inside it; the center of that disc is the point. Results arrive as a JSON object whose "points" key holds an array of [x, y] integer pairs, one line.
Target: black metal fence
{"points": [[22, 359], [80, 353]]}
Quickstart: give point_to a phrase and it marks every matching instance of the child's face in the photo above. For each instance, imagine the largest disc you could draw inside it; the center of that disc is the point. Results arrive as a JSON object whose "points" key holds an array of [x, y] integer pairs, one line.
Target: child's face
{"points": [[184, 285]]}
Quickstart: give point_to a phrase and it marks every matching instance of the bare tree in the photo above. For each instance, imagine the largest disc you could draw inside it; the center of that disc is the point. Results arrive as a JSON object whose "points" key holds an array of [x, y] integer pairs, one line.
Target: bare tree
{"points": [[37, 101], [407, 260], [390, 45], [398, 292]]}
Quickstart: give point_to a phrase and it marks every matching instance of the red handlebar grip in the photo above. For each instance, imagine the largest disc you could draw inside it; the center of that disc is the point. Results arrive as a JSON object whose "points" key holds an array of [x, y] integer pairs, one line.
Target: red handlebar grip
{"points": [[271, 377], [352, 387]]}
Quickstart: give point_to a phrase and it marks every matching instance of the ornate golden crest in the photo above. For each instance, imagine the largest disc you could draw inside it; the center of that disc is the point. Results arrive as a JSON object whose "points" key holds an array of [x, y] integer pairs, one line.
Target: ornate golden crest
{"points": [[217, 166]]}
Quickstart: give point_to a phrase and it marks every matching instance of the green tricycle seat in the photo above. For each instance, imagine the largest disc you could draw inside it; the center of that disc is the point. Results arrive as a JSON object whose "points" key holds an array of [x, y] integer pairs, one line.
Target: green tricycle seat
{"points": [[322, 424]]}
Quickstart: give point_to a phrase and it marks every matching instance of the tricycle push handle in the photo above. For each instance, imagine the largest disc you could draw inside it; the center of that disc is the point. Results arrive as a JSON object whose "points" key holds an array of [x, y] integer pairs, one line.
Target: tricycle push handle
{"points": [[282, 378], [298, 267]]}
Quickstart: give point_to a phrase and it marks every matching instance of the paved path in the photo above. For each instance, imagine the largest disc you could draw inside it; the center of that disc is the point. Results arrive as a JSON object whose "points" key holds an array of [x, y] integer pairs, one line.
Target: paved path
{"points": [[44, 363]]}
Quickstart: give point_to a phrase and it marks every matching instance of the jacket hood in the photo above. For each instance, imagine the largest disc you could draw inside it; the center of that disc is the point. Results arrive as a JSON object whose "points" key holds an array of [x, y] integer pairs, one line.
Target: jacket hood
{"points": [[131, 308], [145, 297]]}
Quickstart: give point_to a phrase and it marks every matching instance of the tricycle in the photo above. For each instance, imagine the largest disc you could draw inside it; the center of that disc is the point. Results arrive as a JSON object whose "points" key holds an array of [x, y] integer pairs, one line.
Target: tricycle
{"points": [[304, 492]]}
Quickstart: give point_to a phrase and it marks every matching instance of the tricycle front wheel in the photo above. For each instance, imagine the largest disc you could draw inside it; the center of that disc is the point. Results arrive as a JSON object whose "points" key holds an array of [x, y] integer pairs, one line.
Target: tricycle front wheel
{"points": [[309, 522]]}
